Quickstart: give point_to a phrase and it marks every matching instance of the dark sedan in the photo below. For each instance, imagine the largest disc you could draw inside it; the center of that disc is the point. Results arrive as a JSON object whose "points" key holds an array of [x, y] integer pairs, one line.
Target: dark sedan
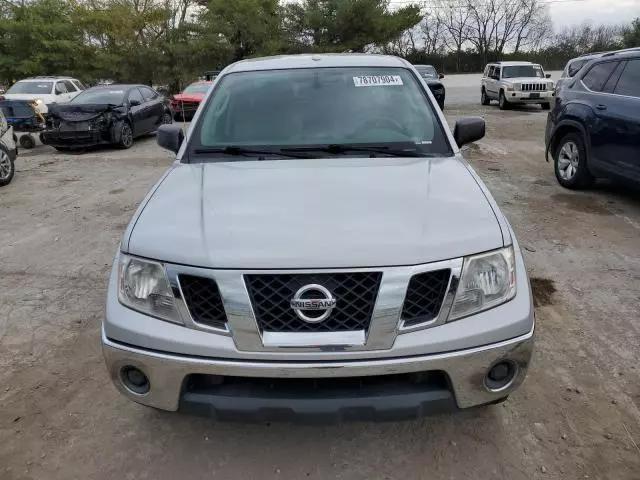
{"points": [[594, 129], [112, 114], [432, 77]]}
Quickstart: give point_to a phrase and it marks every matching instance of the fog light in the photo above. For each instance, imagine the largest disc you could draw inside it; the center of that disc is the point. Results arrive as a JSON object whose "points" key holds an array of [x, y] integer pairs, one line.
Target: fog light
{"points": [[501, 375], [135, 380]]}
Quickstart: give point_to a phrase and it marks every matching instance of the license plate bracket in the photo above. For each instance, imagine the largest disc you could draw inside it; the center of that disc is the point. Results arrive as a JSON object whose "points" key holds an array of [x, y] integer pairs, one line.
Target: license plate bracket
{"points": [[534, 95]]}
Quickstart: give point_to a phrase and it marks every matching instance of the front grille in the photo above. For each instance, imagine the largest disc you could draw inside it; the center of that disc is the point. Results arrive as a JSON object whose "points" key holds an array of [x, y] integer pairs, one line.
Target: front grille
{"points": [[534, 87], [355, 295], [425, 295], [203, 300]]}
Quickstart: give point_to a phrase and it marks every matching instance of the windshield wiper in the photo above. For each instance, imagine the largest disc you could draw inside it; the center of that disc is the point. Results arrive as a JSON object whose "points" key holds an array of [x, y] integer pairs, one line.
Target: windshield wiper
{"points": [[247, 152], [338, 148]]}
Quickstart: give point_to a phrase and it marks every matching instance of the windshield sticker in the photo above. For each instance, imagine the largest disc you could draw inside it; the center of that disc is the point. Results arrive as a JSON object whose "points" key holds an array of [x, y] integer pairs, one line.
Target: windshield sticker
{"points": [[377, 80]]}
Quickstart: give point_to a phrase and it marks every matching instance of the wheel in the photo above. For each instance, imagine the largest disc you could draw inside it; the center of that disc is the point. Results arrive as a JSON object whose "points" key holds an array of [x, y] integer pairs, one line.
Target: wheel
{"points": [[27, 142], [484, 99], [546, 106], [502, 101], [7, 167], [570, 162], [125, 135], [167, 118]]}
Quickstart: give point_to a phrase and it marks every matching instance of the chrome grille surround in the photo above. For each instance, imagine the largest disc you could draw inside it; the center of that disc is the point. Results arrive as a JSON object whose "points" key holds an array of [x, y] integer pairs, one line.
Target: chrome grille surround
{"points": [[385, 325]]}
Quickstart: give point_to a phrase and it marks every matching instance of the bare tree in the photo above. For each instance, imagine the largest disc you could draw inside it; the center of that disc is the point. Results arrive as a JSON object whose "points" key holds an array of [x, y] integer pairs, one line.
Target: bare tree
{"points": [[455, 21], [497, 25], [533, 26], [431, 34]]}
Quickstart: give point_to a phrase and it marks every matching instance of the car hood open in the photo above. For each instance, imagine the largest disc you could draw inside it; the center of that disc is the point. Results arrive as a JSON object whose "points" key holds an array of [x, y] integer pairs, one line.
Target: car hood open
{"points": [[324, 213], [80, 112]]}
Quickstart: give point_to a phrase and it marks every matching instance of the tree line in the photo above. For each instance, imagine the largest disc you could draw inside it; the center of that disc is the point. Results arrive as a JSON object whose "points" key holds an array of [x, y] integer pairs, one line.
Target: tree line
{"points": [[172, 41]]}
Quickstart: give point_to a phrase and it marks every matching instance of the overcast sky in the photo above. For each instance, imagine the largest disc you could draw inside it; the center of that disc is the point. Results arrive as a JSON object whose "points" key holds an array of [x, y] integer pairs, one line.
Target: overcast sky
{"points": [[565, 13], [575, 12]]}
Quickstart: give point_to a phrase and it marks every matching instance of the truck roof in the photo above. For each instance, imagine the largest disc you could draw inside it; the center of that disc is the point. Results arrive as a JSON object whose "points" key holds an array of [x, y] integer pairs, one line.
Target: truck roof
{"points": [[283, 62], [512, 63]]}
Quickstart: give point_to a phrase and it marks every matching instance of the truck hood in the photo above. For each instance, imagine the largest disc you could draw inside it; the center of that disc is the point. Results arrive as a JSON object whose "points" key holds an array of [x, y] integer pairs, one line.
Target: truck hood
{"points": [[188, 97], [527, 80], [24, 96], [324, 213]]}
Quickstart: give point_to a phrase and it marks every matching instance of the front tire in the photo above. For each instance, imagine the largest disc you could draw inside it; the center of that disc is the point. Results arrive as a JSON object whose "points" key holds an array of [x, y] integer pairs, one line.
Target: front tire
{"points": [[502, 101], [484, 99], [125, 135], [7, 167], [167, 118], [27, 142], [570, 162]]}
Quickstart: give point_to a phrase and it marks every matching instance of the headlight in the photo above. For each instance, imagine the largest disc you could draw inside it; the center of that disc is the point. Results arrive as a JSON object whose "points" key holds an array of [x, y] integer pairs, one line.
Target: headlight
{"points": [[143, 286], [39, 101], [487, 280]]}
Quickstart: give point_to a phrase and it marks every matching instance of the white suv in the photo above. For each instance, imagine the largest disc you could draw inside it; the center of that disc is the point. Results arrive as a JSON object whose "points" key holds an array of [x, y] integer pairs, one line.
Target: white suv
{"points": [[45, 90], [516, 82]]}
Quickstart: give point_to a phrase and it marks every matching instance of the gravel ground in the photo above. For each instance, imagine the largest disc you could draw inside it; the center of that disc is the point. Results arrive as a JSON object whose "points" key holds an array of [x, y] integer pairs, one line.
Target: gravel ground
{"points": [[577, 415]]}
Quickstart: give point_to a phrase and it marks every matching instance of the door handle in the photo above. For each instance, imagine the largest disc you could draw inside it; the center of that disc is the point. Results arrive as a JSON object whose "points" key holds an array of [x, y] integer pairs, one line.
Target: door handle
{"points": [[600, 106]]}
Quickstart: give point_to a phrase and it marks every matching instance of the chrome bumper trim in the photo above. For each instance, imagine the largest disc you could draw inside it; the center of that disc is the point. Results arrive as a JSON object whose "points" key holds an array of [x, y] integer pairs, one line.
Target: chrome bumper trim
{"points": [[466, 369]]}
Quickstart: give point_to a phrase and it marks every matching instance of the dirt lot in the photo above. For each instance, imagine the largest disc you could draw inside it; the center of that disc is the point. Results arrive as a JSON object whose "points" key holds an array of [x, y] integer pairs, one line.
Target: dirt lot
{"points": [[577, 415]]}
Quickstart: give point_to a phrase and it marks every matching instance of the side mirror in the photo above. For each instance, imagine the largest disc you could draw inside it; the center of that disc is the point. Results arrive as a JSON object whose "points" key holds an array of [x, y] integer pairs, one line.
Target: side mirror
{"points": [[170, 137], [441, 76], [468, 129], [59, 92], [548, 75], [134, 102]]}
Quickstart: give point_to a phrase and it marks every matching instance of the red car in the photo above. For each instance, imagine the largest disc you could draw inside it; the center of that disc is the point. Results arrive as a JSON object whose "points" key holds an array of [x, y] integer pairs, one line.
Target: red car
{"points": [[185, 104]]}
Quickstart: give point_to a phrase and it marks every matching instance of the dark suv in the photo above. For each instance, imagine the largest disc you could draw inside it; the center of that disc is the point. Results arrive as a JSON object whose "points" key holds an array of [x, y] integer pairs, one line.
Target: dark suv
{"points": [[594, 127]]}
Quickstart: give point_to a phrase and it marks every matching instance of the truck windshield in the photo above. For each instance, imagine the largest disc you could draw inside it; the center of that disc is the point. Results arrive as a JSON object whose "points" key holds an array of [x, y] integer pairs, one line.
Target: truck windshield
{"points": [[528, 71], [280, 109], [199, 87], [43, 88]]}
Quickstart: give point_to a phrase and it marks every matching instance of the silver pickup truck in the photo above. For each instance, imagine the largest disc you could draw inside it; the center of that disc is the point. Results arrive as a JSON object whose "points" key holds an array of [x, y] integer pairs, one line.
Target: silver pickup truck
{"points": [[319, 251]]}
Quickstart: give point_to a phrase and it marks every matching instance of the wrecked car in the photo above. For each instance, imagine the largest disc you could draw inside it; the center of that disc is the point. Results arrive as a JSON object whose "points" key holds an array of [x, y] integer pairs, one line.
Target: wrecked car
{"points": [[113, 114], [186, 103], [8, 151]]}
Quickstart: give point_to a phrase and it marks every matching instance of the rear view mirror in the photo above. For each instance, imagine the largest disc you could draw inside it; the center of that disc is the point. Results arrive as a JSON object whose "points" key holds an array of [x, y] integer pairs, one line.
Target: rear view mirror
{"points": [[134, 102], [468, 129], [548, 75], [170, 137], [441, 76]]}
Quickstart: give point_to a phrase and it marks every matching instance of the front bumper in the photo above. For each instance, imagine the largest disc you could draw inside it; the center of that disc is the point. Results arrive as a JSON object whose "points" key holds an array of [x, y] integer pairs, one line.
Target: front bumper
{"points": [[465, 371], [84, 138], [526, 97]]}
